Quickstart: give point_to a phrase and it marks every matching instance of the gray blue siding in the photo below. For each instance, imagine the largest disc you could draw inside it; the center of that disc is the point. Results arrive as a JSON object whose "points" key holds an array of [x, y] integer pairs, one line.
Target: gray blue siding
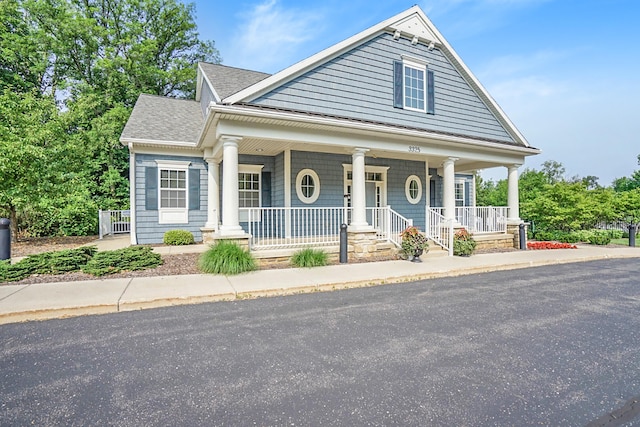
{"points": [[148, 230], [359, 84], [206, 97]]}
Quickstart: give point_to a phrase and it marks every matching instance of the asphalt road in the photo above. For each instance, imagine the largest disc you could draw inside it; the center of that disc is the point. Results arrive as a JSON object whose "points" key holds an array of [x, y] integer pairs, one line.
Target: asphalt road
{"points": [[554, 346]]}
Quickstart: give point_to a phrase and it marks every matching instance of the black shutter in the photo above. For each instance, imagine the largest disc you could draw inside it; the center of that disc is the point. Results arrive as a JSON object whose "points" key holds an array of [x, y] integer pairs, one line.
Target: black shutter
{"points": [[194, 189], [397, 84], [151, 188], [431, 100]]}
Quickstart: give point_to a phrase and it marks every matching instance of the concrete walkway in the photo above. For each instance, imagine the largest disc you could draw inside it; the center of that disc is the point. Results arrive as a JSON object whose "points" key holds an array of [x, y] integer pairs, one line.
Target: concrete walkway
{"points": [[57, 300]]}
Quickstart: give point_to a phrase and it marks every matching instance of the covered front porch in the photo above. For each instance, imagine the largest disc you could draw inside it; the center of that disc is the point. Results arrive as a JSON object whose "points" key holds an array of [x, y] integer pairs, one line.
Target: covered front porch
{"points": [[323, 172]]}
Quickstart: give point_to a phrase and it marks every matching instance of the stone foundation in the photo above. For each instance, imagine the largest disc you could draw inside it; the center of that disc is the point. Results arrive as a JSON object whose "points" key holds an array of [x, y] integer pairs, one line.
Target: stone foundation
{"points": [[493, 241], [210, 236], [514, 230], [362, 244]]}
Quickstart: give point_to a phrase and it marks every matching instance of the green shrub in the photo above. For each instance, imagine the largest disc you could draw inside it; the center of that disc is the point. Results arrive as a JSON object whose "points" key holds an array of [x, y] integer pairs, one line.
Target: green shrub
{"points": [[225, 257], [127, 259], [309, 258], [57, 262], [600, 237], [178, 237]]}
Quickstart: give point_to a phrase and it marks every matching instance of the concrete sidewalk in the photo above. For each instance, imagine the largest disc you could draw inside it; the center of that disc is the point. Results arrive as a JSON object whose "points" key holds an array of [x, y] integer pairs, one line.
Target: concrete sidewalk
{"points": [[56, 300]]}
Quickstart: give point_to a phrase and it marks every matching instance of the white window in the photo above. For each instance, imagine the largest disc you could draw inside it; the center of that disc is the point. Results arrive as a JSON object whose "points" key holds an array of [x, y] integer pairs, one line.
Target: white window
{"points": [[460, 200], [249, 186], [173, 192], [413, 189], [307, 186], [414, 86]]}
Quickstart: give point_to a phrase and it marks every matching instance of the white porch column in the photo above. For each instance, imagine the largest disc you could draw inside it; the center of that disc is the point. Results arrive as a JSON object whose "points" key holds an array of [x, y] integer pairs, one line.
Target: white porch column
{"points": [[213, 194], [449, 189], [358, 195], [230, 200], [513, 200]]}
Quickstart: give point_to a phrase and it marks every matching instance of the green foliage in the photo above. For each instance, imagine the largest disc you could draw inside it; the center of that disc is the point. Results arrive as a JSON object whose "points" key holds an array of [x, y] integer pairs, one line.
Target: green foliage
{"points": [[70, 73], [489, 193], [131, 259], [600, 237], [178, 237], [309, 258], [58, 262], [463, 243], [225, 257]]}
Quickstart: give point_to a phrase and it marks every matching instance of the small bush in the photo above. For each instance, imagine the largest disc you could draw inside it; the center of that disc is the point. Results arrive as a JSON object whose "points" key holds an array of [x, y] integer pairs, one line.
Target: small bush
{"points": [[178, 237], [600, 237], [129, 259], [227, 258], [463, 243], [309, 258]]}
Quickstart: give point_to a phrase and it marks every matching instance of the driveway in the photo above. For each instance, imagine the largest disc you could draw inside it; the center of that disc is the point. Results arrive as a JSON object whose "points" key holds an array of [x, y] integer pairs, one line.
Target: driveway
{"points": [[554, 345]]}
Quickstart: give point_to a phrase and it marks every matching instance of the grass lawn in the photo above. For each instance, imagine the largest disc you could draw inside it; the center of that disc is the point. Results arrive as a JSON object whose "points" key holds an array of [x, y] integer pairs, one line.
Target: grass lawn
{"points": [[625, 241]]}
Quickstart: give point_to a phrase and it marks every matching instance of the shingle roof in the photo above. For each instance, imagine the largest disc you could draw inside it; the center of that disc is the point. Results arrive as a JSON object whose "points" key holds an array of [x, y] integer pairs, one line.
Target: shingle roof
{"points": [[229, 80], [159, 118]]}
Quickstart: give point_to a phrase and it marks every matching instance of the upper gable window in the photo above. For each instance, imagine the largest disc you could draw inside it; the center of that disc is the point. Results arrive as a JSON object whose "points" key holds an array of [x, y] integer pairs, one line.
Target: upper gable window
{"points": [[413, 86]]}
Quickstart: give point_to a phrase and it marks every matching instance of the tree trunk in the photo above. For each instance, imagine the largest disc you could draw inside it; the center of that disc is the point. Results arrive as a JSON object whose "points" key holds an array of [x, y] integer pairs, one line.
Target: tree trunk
{"points": [[13, 217]]}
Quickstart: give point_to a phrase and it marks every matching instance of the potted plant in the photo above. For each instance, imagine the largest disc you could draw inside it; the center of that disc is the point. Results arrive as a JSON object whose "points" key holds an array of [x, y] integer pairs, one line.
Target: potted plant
{"points": [[463, 243], [414, 244]]}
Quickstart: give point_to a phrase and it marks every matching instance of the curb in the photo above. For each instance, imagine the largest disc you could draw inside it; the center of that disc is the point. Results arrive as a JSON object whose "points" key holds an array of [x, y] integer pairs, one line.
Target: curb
{"points": [[141, 304]]}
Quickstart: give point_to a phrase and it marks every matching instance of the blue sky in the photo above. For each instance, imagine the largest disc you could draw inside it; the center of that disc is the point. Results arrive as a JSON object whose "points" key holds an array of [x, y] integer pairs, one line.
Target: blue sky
{"points": [[567, 72]]}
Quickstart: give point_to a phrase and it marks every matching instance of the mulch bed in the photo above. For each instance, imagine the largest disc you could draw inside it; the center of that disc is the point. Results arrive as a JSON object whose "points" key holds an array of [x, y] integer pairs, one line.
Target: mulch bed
{"points": [[178, 264]]}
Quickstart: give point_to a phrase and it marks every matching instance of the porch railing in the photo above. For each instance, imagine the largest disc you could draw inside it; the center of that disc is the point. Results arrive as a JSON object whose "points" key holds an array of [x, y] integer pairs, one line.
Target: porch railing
{"points": [[480, 219], [113, 222], [439, 229], [281, 228], [294, 227]]}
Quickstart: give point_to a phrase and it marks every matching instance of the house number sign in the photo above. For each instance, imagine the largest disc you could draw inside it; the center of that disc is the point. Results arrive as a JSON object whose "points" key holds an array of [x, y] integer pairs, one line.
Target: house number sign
{"points": [[414, 149]]}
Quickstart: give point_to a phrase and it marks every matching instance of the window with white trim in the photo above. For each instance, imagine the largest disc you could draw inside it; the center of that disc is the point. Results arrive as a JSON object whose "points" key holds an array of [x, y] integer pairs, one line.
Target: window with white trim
{"points": [[459, 191], [413, 85], [307, 186], [413, 189], [173, 192], [249, 186]]}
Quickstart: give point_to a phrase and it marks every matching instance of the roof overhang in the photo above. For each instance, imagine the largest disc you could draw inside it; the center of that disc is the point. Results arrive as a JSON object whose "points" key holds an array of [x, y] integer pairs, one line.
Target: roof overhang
{"points": [[268, 132]]}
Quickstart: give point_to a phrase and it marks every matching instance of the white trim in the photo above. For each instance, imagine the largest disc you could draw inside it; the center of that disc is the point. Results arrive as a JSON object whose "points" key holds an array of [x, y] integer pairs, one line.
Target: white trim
{"points": [[243, 215], [173, 215], [348, 167], [418, 66], [407, 189], [316, 188], [177, 164], [133, 238], [458, 181]]}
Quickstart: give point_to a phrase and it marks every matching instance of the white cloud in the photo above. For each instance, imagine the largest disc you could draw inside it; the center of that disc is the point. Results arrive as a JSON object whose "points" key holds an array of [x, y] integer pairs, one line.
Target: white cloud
{"points": [[269, 36]]}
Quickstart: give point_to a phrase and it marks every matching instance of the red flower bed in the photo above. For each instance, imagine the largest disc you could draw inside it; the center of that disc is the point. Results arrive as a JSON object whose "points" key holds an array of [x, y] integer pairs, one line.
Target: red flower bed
{"points": [[550, 245]]}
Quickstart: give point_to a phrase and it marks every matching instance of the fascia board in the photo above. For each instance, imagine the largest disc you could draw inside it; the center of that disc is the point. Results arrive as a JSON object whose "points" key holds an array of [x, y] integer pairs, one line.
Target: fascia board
{"points": [[281, 77], [369, 128]]}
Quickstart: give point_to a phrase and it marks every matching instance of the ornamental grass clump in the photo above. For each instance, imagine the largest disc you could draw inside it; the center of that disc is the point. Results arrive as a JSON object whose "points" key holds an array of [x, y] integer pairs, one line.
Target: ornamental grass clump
{"points": [[414, 243], [309, 258], [228, 258], [463, 243]]}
